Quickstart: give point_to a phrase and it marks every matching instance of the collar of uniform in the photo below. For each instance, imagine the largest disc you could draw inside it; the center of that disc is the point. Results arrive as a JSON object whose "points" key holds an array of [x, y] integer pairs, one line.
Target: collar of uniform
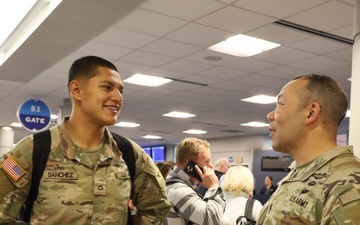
{"points": [[68, 145], [306, 170]]}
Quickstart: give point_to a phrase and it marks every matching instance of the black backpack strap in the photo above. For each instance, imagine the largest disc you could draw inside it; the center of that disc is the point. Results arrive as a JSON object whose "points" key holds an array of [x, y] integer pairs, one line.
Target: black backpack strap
{"points": [[128, 155], [127, 151], [41, 150], [248, 209]]}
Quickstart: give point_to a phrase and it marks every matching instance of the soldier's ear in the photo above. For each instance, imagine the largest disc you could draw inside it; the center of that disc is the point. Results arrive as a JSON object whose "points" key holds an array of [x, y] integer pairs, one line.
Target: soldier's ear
{"points": [[75, 89], [313, 112]]}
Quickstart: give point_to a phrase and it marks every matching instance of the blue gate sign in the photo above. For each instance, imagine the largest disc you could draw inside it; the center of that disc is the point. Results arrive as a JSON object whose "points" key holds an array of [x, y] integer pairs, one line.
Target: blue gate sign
{"points": [[34, 115]]}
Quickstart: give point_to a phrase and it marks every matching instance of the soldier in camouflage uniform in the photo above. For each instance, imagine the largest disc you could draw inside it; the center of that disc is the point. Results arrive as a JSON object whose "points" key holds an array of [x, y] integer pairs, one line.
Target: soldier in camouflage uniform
{"points": [[324, 187], [86, 180]]}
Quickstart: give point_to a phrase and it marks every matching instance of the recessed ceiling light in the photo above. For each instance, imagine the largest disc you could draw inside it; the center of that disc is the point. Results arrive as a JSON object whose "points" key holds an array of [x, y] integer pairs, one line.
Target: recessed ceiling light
{"points": [[19, 19], [151, 137], [348, 113], [192, 131], [176, 114], [255, 124], [127, 124], [14, 124], [243, 46], [6, 128], [147, 80], [260, 99]]}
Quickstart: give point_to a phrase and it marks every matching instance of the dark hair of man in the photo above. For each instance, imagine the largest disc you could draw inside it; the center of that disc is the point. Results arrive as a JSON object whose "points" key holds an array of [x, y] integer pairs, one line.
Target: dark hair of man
{"points": [[164, 168], [87, 67], [327, 92]]}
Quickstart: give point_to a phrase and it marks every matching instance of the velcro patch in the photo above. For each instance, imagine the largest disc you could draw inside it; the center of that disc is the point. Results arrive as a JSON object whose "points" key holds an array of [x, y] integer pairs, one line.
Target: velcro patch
{"points": [[13, 168], [354, 214]]}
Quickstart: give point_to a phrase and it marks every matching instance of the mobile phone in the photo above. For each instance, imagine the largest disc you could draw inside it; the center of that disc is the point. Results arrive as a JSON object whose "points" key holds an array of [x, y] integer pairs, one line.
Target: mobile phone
{"points": [[190, 169]]}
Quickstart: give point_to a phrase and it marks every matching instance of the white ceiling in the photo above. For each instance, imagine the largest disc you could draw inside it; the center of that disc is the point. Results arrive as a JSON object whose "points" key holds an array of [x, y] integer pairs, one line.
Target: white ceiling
{"points": [[170, 38]]}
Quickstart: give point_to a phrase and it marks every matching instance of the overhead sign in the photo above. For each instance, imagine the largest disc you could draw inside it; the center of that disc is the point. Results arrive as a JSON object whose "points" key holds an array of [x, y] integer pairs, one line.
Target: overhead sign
{"points": [[34, 115]]}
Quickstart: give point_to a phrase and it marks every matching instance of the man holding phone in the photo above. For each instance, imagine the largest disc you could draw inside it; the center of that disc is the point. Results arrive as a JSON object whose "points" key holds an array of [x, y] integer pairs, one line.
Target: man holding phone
{"points": [[193, 165]]}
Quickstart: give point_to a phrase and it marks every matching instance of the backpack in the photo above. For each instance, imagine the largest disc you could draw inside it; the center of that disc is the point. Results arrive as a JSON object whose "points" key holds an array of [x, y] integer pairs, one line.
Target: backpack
{"points": [[42, 145], [247, 214]]}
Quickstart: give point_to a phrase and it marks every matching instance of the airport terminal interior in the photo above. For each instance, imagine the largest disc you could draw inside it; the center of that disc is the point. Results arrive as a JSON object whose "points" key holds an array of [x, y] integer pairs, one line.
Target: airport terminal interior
{"points": [[176, 40]]}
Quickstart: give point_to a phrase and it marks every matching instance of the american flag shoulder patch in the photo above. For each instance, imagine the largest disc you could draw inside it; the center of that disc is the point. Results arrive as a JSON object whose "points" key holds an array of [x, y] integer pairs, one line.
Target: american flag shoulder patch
{"points": [[12, 168]]}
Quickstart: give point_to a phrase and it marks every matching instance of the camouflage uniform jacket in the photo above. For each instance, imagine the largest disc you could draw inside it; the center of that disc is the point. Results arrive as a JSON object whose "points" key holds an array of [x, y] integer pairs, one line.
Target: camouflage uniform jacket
{"points": [[323, 191], [73, 191]]}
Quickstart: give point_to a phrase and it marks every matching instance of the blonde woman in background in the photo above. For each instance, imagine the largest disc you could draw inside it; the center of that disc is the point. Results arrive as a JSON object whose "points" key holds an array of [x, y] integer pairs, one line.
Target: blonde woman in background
{"points": [[238, 186]]}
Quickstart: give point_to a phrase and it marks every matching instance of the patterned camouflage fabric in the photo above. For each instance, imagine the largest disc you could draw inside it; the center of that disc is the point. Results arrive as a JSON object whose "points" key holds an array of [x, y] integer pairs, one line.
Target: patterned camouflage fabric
{"points": [[323, 191], [73, 191]]}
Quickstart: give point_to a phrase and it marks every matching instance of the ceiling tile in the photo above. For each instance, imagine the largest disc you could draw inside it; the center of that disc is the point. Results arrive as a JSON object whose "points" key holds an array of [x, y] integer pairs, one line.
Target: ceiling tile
{"points": [[183, 9], [340, 15], [142, 21], [125, 38], [171, 48], [187, 66], [284, 72], [318, 45], [283, 55], [318, 63], [278, 34], [147, 58], [199, 35], [278, 8], [223, 73], [251, 65], [104, 50], [235, 20]]}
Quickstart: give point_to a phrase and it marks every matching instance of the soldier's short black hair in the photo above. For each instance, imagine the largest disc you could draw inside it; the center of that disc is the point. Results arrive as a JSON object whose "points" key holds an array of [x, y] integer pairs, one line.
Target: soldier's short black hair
{"points": [[328, 93], [87, 67]]}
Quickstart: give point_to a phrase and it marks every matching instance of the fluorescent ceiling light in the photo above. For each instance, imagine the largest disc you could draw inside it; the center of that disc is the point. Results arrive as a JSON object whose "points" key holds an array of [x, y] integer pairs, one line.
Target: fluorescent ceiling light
{"points": [[176, 114], [151, 137], [348, 113], [260, 99], [127, 124], [255, 124], [147, 80], [243, 46], [53, 116], [14, 124], [6, 128], [18, 20], [191, 131]]}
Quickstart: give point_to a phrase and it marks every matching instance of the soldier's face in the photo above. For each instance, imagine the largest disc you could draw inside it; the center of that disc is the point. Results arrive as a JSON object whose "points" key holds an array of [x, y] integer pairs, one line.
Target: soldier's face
{"points": [[101, 97], [287, 121]]}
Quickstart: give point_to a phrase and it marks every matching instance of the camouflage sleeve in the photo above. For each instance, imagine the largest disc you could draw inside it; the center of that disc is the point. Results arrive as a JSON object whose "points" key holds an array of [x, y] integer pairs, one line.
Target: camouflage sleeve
{"points": [[344, 209], [149, 190], [15, 173]]}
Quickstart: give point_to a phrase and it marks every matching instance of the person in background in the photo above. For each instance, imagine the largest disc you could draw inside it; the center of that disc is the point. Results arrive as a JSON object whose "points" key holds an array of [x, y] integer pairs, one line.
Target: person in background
{"points": [[86, 180], [188, 205], [269, 187], [171, 163], [323, 188], [165, 168], [220, 167], [237, 186]]}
